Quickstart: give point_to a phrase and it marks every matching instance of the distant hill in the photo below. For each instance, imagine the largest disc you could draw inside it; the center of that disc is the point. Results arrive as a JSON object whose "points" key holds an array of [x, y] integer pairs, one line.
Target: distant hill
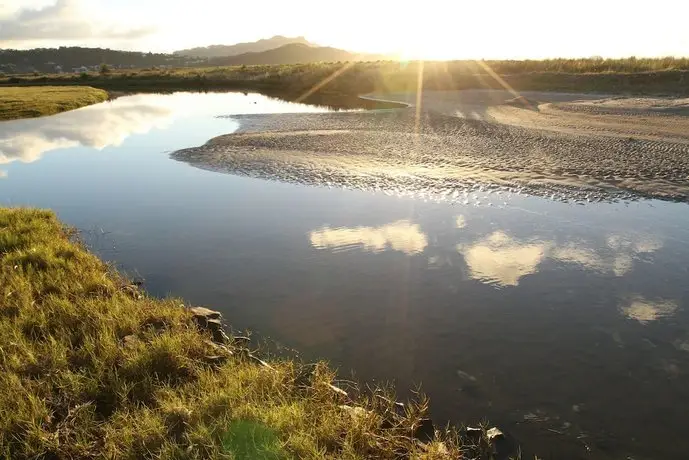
{"points": [[76, 59], [67, 59], [295, 53], [265, 44]]}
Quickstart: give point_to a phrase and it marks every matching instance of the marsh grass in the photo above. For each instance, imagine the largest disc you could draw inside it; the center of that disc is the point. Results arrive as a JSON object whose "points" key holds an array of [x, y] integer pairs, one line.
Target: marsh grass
{"points": [[37, 101], [616, 76], [90, 367]]}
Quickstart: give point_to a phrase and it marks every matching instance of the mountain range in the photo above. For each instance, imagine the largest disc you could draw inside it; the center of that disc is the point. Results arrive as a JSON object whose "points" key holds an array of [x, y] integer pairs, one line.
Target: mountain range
{"points": [[265, 44], [275, 50]]}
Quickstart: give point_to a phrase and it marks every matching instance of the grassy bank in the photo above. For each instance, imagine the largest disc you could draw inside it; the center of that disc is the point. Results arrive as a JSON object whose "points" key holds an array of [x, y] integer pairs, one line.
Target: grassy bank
{"points": [[347, 80], [37, 101], [92, 367]]}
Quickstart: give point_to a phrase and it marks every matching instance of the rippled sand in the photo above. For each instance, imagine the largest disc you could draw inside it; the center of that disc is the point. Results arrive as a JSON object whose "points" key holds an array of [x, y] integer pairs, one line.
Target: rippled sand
{"points": [[561, 145]]}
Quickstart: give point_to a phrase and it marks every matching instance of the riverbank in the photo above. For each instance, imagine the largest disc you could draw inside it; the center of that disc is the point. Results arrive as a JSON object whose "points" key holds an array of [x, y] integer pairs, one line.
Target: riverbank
{"points": [[38, 101], [93, 367]]}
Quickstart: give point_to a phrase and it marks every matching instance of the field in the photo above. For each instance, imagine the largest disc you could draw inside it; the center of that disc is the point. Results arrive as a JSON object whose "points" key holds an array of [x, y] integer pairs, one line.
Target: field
{"points": [[45, 100]]}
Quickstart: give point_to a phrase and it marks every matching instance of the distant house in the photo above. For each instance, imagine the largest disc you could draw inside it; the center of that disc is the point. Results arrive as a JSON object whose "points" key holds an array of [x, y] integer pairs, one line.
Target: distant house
{"points": [[81, 69]]}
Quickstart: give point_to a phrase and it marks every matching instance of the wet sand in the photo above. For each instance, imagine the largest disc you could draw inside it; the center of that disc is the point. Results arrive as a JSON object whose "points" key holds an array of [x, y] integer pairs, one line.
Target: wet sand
{"points": [[567, 146]]}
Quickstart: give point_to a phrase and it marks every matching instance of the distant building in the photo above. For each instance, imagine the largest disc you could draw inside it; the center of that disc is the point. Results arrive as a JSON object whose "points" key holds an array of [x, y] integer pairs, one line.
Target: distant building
{"points": [[81, 69]]}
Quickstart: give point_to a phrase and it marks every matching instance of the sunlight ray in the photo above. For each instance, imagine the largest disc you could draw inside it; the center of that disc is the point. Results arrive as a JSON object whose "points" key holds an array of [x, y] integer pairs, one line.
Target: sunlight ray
{"points": [[325, 81], [419, 96], [503, 83]]}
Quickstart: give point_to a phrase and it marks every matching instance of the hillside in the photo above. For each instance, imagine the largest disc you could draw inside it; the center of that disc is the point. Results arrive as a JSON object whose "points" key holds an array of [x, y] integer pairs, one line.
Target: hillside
{"points": [[265, 44], [66, 59], [295, 53]]}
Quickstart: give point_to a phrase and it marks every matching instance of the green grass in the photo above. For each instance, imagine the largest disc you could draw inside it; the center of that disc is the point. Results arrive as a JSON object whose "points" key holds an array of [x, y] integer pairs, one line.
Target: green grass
{"points": [[617, 76], [90, 367], [37, 101]]}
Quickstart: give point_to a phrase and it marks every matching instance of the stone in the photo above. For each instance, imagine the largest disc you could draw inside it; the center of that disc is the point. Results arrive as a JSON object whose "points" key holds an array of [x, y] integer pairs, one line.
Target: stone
{"points": [[494, 434], [473, 432], [201, 312], [209, 320]]}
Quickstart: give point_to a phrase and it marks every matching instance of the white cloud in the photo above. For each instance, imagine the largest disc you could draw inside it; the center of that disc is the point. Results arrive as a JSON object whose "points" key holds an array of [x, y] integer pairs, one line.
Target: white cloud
{"points": [[460, 221], [63, 20], [400, 236]]}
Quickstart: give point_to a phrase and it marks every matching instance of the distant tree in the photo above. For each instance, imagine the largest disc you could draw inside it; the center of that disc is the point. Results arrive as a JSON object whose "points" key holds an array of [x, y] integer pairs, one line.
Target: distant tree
{"points": [[104, 69]]}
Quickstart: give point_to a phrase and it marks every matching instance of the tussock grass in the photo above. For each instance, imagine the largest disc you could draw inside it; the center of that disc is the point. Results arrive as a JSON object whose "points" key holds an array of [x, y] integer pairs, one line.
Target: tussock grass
{"points": [[90, 367], [28, 102]]}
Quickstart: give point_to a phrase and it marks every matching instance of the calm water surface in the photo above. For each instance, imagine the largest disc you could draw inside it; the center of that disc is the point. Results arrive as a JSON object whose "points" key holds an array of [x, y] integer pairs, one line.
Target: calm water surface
{"points": [[566, 324]]}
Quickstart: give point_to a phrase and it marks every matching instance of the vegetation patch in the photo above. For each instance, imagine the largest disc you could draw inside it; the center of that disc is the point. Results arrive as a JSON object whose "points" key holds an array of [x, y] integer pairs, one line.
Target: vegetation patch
{"points": [[37, 101], [91, 367], [340, 83]]}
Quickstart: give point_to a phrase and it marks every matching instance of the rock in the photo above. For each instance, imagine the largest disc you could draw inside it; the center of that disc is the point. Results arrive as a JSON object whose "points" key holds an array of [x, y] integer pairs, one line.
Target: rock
{"points": [[209, 320], [201, 312], [424, 431], [473, 432], [494, 434]]}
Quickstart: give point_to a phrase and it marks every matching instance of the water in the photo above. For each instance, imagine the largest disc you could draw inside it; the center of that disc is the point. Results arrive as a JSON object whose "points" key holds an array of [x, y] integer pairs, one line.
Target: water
{"points": [[565, 324]]}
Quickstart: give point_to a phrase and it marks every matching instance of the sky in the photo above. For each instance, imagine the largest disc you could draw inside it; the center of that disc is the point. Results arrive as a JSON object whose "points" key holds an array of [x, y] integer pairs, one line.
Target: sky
{"points": [[429, 29]]}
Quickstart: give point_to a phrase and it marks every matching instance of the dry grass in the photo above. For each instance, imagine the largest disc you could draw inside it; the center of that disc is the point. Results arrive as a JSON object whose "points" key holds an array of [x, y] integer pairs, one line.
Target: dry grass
{"points": [[90, 367], [28, 102]]}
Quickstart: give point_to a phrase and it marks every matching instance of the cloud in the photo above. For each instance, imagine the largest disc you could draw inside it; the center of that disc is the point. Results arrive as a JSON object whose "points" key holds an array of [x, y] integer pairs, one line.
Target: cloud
{"points": [[97, 126], [460, 221], [502, 260], [63, 20], [400, 236], [645, 311]]}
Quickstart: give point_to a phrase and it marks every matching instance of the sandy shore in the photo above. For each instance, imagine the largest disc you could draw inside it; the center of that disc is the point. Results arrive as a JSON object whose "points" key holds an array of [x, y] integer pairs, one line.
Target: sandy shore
{"points": [[568, 146]]}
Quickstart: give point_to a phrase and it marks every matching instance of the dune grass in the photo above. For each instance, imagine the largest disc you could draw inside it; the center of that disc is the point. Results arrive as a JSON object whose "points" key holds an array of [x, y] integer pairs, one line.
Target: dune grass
{"points": [[91, 367], [37, 101]]}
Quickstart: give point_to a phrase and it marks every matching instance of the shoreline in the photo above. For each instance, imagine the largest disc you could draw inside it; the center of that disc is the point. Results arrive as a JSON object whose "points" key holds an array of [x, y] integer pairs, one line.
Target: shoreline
{"points": [[92, 366]]}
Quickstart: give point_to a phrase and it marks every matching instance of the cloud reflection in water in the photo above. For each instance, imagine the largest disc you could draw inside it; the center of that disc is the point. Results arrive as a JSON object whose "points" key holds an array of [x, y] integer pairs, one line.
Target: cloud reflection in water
{"points": [[402, 236], [502, 260], [645, 310], [97, 126]]}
